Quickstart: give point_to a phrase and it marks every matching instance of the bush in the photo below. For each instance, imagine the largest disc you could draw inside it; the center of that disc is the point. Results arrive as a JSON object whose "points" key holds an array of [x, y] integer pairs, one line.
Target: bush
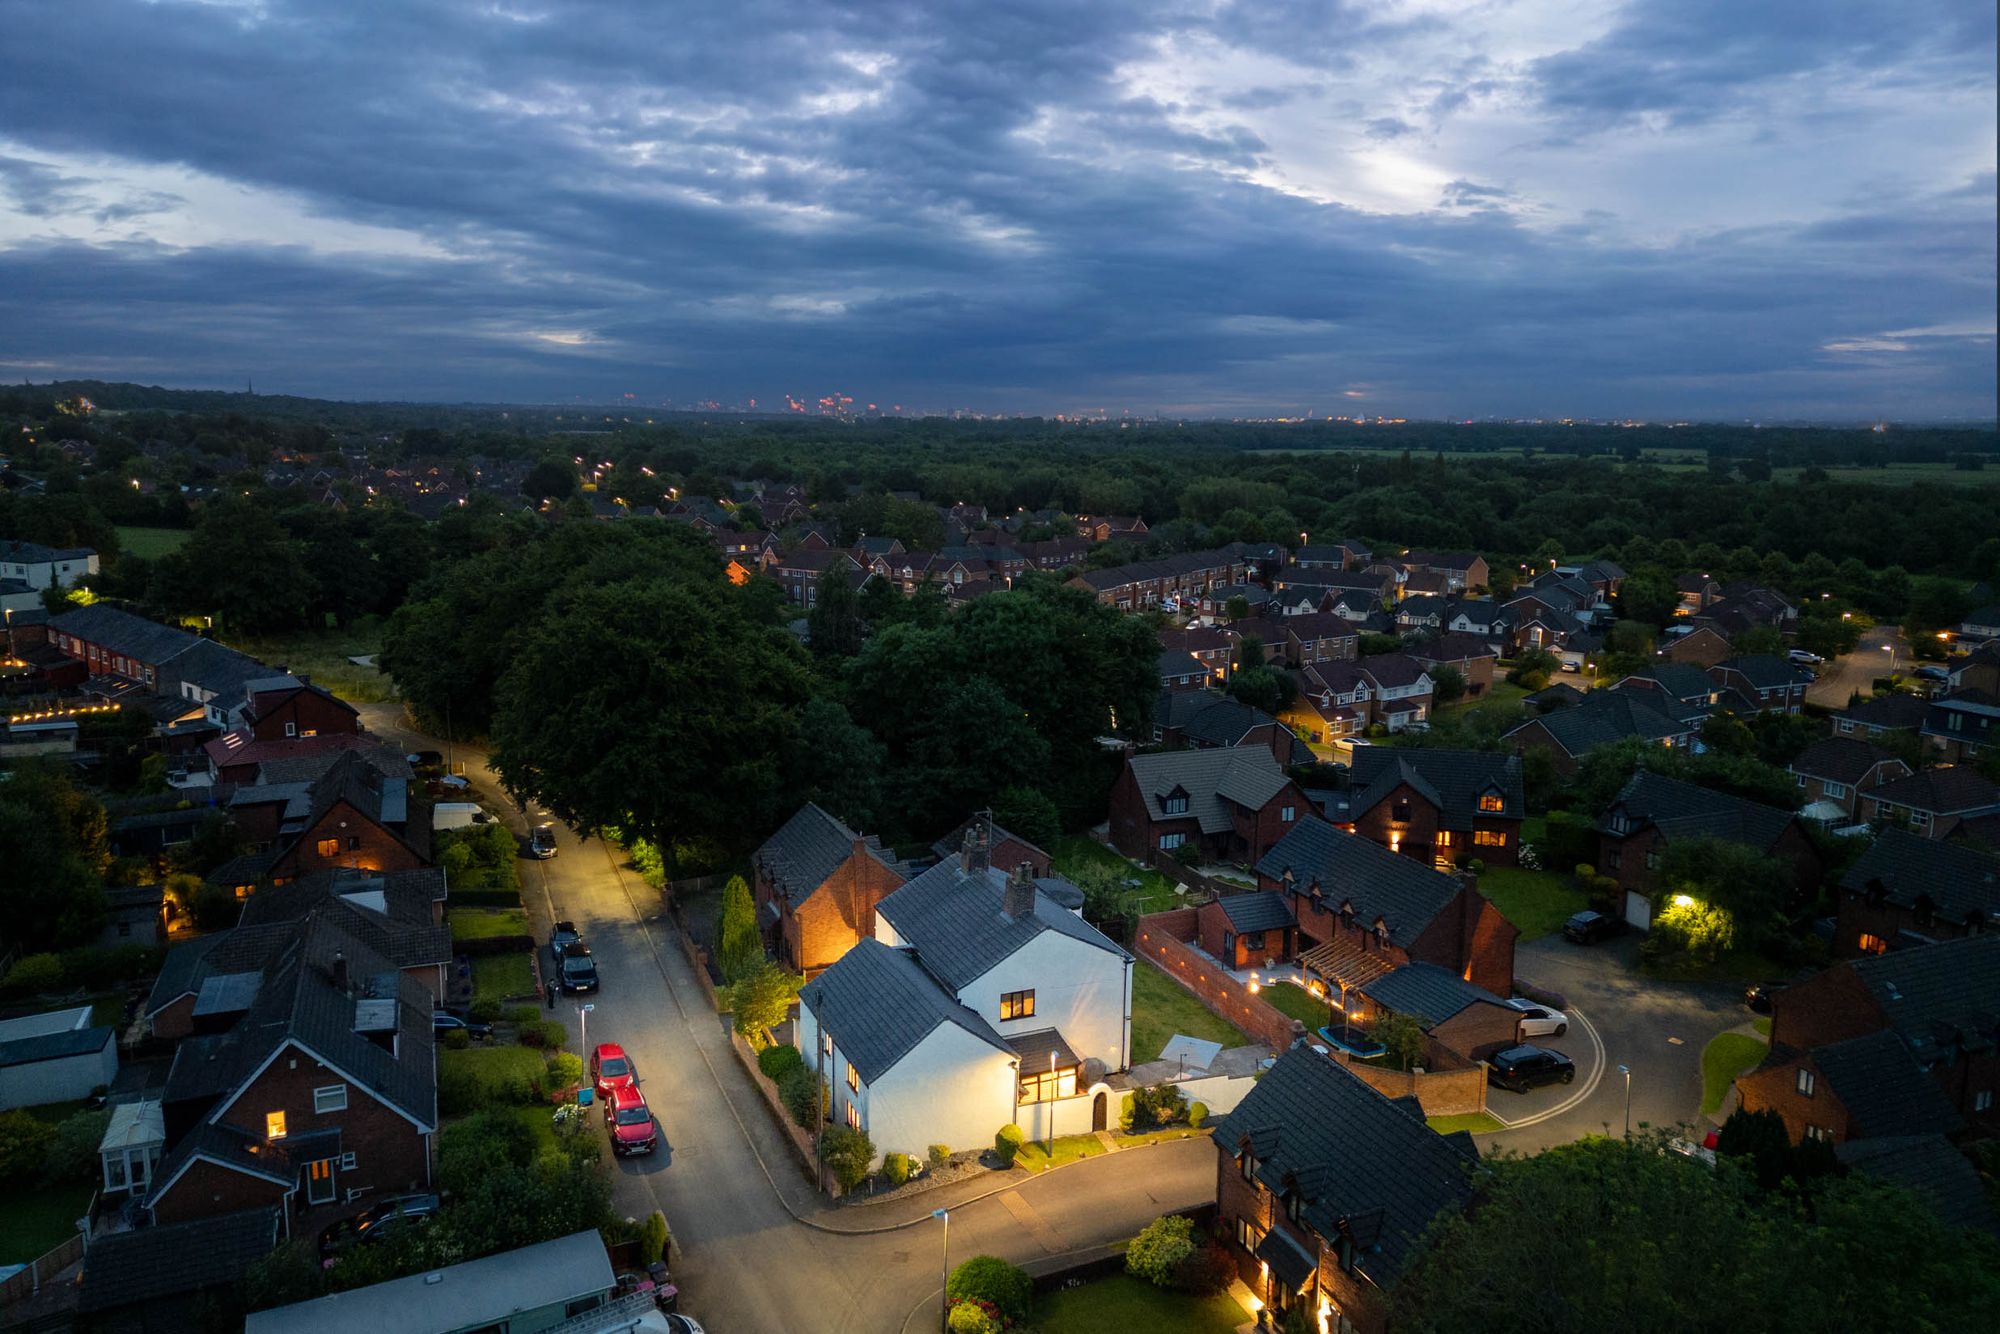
{"points": [[71, 1154], [849, 1153], [1153, 1108], [521, 1014], [777, 1062], [654, 1238], [24, 1143], [896, 1168], [940, 1155], [1197, 1115], [542, 1033], [739, 946], [988, 1278], [1207, 1269], [971, 1318], [762, 1000], [459, 1091], [1160, 1249], [484, 1142], [34, 974], [804, 1094], [1127, 1112], [456, 1040], [485, 1010], [1007, 1143], [565, 1069], [1187, 854]]}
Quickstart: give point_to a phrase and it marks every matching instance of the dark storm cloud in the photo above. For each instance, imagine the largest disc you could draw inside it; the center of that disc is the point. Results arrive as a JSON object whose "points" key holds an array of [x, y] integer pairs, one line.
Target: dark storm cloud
{"points": [[951, 204]]}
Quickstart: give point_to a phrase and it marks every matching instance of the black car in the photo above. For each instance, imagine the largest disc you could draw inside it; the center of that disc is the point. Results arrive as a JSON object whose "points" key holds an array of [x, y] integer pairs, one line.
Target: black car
{"points": [[1524, 1068], [578, 972], [1758, 995], [449, 1021], [425, 759], [561, 938], [1587, 928], [387, 1219]]}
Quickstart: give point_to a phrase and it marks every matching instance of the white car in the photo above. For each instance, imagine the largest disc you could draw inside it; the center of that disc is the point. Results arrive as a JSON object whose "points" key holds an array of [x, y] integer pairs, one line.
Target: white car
{"points": [[1539, 1021], [1804, 658]]}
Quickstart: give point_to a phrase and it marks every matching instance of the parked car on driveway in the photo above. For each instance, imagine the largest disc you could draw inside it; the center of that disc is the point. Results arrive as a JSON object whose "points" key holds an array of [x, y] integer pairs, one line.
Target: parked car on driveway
{"points": [[1805, 658], [1538, 1021], [542, 842], [579, 971], [1523, 1068], [446, 1021], [561, 938], [1587, 928], [611, 1068], [386, 1219], [630, 1121]]}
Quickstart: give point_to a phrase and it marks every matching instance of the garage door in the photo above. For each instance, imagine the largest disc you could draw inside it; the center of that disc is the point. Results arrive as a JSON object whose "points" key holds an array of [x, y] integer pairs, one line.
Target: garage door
{"points": [[1638, 911]]}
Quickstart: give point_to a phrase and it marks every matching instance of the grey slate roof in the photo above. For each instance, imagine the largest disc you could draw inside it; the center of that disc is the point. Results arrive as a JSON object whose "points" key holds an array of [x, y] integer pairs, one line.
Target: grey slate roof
{"points": [[1207, 718], [1353, 1155], [56, 1046], [1244, 775], [1454, 779], [145, 1264], [1035, 1048], [1605, 716], [1883, 1088], [1402, 891], [1938, 995], [218, 668], [1932, 1167], [1427, 992], [810, 847], [1681, 680], [123, 633], [1767, 671], [1953, 789], [1888, 711], [1839, 759], [403, 934], [1959, 881], [955, 922], [1685, 810], [879, 1003], [1264, 910]]}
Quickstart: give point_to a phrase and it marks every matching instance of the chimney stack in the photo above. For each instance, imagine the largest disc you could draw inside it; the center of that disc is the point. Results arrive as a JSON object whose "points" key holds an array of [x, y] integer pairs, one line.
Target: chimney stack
{"points": [[1019, 900], [340, 969], [972, 851]]}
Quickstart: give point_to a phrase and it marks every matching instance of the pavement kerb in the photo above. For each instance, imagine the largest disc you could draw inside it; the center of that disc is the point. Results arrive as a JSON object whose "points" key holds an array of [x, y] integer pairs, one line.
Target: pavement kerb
{"points": [[1589, 1085]]}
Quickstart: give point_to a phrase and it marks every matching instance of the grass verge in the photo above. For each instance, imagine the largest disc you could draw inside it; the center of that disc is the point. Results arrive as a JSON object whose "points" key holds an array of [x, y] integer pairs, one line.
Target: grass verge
{"points": [[485, 923], [1538, 902], [1479, 1123], [1067, 1149], [1162, 1007], [1122, 1302], [500, 976], [1726, 1056]]}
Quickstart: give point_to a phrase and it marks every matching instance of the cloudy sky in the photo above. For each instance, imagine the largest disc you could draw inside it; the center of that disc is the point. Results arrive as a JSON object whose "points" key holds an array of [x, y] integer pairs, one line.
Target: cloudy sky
{"points": [[1699, 208]]}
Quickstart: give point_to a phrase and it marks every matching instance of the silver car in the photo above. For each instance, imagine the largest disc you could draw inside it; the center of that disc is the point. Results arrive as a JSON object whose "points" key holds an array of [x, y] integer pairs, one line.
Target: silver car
{"points": [[1540, 1021]]}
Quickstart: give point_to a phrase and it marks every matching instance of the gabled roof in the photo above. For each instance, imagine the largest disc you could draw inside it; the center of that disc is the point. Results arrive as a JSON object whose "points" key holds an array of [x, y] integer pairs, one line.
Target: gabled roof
{"points": [[1883, 1088], [954, 919], [1840, 759], [1427, 992], [1606, 716], [1932, 1167], [1766, 671], [808, 848], [1888, 711], [1360, 1161], [879, 1003], [125, 634], [1681, 680], [1454, 780], [1403, 892], [1453, 646], [1213, 779], [1392, 670], [1937, 995], [144, 1264], [390, 912], [218, 669], [1260, 910], [1951, 790], [1166, 567], [1686, 810]]}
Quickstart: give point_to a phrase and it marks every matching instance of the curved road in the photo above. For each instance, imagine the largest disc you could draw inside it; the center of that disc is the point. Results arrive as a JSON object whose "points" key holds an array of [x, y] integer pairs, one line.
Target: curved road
{"points": [[754, 1249]]}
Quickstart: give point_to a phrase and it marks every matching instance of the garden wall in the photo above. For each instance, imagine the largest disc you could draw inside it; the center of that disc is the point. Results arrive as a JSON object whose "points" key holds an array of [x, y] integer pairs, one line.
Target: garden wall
{"points": [[1450, 1085], [800, 1142], [1163, 939]]}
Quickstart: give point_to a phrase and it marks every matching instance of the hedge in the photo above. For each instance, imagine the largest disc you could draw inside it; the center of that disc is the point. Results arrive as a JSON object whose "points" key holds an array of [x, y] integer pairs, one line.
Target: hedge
{"points": [[484, 898]]}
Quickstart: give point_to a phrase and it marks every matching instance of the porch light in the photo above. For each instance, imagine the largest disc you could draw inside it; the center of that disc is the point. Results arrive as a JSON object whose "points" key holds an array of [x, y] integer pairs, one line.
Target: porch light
{"points": [[1683, 901]]}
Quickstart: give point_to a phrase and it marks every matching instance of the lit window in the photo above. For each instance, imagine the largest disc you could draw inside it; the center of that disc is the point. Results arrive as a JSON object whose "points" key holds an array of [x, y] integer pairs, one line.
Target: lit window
{"points": [[1017, 1005], [1489, 838], [274, 1125], [1246, 1162], [330, 1099], [1872, 944], [1818, 1133], [327, 847], [1248, 1235], [1043, 1086], [1807, 1081], [853, 1117], [853, 1077], [1492, 801]]}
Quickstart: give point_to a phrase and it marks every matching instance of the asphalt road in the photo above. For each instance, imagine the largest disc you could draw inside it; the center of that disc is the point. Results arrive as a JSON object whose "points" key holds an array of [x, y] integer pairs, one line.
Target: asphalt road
{"points": [[727, 1183], [1850, 672]]}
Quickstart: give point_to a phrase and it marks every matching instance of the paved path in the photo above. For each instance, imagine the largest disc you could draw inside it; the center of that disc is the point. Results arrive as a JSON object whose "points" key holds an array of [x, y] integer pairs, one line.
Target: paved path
{"points": [[754, 1249]]}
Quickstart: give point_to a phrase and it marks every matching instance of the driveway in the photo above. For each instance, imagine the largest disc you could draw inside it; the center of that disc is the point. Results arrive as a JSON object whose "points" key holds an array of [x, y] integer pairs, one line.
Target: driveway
{"points": [[754, 1249], [1842, 677], [1657, 1029]]}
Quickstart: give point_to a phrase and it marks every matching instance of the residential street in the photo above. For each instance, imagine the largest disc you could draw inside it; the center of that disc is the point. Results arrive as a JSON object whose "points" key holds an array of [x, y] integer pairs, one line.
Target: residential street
{"points": [[725, 1179], [1840, 678]]}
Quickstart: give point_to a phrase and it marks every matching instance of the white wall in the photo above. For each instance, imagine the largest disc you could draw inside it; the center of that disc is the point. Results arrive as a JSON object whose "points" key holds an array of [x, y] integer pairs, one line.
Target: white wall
{"points": [[1072, 1116], [49, 1021], [65, 1079], [1084, 991], [950, 1089]]}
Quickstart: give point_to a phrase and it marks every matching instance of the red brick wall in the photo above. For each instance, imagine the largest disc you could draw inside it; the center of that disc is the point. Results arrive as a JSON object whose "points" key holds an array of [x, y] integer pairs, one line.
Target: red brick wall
{"points": [[1830, 1007], [839, 913], [1775, 1089], [1261, 829], [1533, 736], [1418, 833], [1479, 1030], [1133, 829], [1703, 647], [175, 1020], [1161, 940], [310, 713], [1214, 928], [1854, 917], [379, 851], [1451, 1085], [1473, 939], [207, 1191]]}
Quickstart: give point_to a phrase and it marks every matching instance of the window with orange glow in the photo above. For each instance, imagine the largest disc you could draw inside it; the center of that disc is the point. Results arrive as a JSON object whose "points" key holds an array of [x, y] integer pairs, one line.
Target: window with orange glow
{"points": [[274, 1125]]}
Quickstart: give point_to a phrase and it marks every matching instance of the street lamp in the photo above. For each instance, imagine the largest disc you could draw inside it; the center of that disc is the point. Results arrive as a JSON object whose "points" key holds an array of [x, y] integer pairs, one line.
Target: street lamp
{"points": [[944, 1295], [1626, 1071], [1049, 1125], [583, 1016]]}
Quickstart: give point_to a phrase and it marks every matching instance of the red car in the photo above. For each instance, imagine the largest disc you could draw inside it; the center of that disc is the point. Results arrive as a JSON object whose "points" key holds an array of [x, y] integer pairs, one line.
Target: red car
{"points": [[629, 1120], [611, 1068]]}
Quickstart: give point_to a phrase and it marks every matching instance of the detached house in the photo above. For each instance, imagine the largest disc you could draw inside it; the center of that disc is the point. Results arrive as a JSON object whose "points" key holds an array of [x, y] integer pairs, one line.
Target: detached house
{"points": [[1601, 718], [1933, 802], [1471, 656], [1878, 714], [1435, 805], [1323, 1188], [42, 567], [1772, 684], [1232, 804], [1856, 1089], [278, 707], [1963, 726], [1205, 719], [817, 883], [1835, 773], [1652, 810], [800, 572], [356, 817], [1907, 889], [982, 1000]]}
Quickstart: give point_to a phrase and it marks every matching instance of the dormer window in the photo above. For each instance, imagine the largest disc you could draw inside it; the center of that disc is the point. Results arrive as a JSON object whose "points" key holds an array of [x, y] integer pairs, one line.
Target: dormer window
{"points": [[1492, 801], [1295, 1205], [1246, 1162], [1176, 802]]}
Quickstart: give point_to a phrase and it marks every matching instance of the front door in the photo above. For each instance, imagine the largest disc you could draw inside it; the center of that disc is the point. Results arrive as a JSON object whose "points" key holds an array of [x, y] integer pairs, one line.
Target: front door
{"points": [[1097, 1111], [319, 1181]]}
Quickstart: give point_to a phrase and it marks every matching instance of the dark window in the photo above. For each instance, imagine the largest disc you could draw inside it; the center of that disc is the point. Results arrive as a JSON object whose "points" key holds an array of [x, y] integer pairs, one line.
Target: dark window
{"points": [[1400, 812]]}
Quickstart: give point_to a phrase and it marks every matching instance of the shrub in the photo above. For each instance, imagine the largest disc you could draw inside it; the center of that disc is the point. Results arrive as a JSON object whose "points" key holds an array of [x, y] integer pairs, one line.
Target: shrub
{"points": [[804, 1096], [1402, 1037], [485, 1010], [1187, 854], [565, 1069], [521, 1014], [456, 1040], [896, 1168], [1151, 1108], [654, 1238], [971, 1317], [459, 1091], [542, 1033], [1197, 1115], [1160, 1249], [35, 973], [1007, 1143], [71, 1154], [988, 1278], [24, 1142], [849, 1153], [484, 1142], [762, 999], [1207, 1269], [940, 1155], [739, 946], [777, 1062]]}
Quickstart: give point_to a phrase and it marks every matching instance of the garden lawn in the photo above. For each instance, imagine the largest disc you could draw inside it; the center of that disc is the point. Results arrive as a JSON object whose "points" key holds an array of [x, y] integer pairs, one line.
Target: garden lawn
{"points": [[496, 1064], [485, 923], [1538, 902], [1299, 1004], [1155, 893], [1162, 1007], [1068, 1149], [500, 976], [1122, 1302], [1479, 1123], [1726, 1056], [152, 543], [35, 1222]]}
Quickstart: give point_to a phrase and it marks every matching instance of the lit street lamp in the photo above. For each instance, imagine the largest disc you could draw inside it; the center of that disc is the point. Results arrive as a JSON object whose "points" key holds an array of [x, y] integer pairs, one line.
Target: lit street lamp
{"points": [[944, 1295], [583, 1017], [1626, 1071], [1049, 1125]]}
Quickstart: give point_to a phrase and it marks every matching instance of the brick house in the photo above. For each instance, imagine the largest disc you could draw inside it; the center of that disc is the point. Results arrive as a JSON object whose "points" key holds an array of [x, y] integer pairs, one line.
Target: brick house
{"points": [[1468, 1019], [1310, 637], [1363, 910], [1701, 646], [1002, 848], [799, 572], [1863, 1087], [1180, 579], [1230, 803], [1323, 1187], [1603, 717], [1963, 726], [359, 818], [816, 883], [1471, 656], [1773, 684], [278, 707], [1462, 570], [1933, 802], [1248, 930], [1206, 720], [1214, 649], [1652, 810], [1435, 805], [322, 1093], [1836, 772], [238, 759], [1909, 889], [1880, 714], [1942, 1001], [1330, 555]]}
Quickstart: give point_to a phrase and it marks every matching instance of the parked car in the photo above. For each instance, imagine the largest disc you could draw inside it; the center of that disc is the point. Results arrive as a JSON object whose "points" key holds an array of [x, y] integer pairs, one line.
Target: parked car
{"points": [[1587, 928], [561, 937], [387, 1219], [446, 1021], [1934, 673], [611, 1068], [680, 1324], [579, 970], [1538, 1021], [1523, 1068], [425, 759], [542, 843], [1804, 658], [1757, 996], [630, 1121]]}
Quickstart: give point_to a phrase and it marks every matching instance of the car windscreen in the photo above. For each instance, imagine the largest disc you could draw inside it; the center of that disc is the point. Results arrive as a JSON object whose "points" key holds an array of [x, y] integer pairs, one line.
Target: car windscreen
{"points": [[578, 965], [613, 1068], [633, 1116]]}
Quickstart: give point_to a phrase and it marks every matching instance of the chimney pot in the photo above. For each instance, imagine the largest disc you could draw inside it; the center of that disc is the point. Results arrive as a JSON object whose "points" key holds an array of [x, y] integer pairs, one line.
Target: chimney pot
{"points": [[973, 850], [1019, 900]]}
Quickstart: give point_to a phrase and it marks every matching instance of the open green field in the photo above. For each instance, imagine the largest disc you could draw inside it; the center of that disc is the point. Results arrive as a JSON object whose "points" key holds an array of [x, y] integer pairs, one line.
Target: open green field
{"points": [[323, 655], [1122, 1302], [1162, 1007], [151, 543]]}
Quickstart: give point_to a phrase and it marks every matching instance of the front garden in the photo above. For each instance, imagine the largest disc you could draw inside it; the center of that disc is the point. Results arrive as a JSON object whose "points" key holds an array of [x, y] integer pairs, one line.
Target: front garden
{"points": [[1162, 1007]]}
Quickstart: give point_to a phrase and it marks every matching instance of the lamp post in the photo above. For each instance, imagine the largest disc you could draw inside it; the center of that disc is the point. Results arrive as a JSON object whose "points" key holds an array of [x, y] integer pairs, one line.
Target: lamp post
{"points": [[583, 1017], [944, 1293], [1626, 1071], [1890, 649], [1049, 1124]]}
